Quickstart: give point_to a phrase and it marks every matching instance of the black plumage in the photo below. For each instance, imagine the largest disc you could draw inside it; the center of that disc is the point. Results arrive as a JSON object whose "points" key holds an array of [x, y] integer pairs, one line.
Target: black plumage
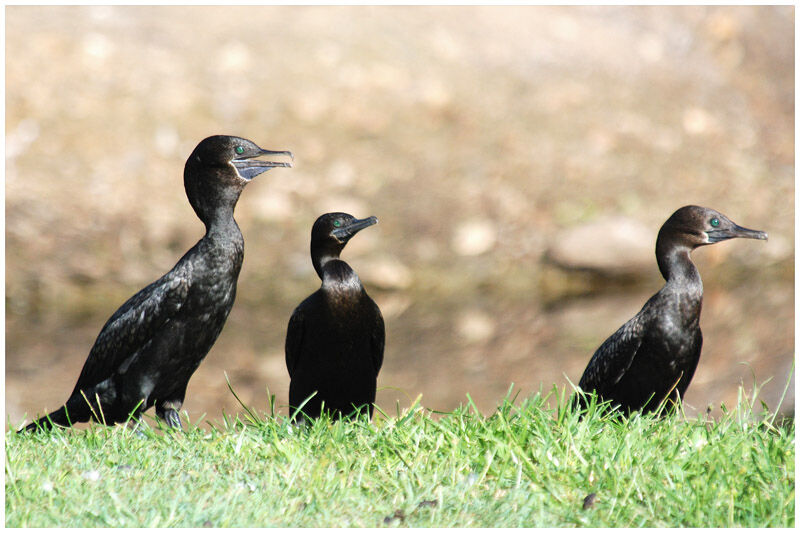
{"points": [[653, 356], [151, 346], [335, 338]]}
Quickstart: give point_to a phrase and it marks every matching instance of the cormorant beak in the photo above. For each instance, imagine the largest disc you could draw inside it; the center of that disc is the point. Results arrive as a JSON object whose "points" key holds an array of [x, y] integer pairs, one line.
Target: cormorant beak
{"points": [[249, 168], [734, 231], [345, 233]]}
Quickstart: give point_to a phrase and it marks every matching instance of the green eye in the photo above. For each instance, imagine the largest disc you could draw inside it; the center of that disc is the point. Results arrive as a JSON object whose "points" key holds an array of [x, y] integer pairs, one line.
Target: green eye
{"points": [[714, 222], [337, 223], [239, 150]]}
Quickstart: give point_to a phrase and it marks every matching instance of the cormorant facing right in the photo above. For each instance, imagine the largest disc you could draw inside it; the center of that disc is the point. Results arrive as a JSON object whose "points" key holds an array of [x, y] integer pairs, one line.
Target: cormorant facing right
{"points": [[653, 356], [335, 338], [151, 346]]}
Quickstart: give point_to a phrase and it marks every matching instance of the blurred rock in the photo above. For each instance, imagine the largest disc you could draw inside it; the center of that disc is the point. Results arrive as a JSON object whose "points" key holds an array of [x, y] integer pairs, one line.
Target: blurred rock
{"points": [[385, 273], [273, 205], [778, 248], [234, 57], [474, 237], [723, 26], [426, 249], [651, 48], [21, 138], [613, 245], [97, 46], [309, 106], [697, 121], [166, 141], [434, 93], [446, 45], [475, 326], [600, 142], [341, 174], [344, 204], [392, 305]]}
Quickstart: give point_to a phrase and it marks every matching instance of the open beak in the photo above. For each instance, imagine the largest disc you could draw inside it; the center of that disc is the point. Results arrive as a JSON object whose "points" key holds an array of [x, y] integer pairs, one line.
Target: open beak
{"points": [[249, 167], [345, 233], [723, 234]]}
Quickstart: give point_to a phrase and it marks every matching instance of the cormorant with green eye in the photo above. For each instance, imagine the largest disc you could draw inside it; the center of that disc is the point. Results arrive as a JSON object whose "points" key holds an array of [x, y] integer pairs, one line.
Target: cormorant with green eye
{"points": [[653, 356], [151, 346], [335, 338]]}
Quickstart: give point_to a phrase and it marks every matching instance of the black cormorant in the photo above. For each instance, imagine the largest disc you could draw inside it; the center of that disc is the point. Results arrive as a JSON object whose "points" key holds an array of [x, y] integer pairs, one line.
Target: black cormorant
{"points": [[151, 346], [653, 356], [335, 338]]}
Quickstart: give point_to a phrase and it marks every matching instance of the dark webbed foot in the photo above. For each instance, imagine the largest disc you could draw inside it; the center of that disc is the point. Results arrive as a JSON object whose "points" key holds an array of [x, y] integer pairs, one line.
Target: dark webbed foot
{"points": [[136, 425], [169, 412], [172, 418]]}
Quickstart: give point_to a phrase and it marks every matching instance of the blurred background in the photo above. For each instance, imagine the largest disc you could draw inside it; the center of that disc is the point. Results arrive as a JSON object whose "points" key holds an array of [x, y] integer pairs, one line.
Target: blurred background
{"points": [[520, 159]]}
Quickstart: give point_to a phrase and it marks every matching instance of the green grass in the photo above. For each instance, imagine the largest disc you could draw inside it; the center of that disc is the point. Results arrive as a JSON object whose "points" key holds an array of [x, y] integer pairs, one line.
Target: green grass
{"points": [[527, 464]]}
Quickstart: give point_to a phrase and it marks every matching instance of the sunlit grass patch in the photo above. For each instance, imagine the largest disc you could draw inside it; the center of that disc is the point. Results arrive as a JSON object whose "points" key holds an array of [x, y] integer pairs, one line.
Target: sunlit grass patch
{"points": [[526, 464]]}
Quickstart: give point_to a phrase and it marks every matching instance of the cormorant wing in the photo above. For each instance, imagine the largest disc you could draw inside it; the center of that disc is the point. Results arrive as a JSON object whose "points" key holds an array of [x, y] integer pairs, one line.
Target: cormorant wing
{"points": [[614, 357], [134, 324], [294, 338], [378, 339]]}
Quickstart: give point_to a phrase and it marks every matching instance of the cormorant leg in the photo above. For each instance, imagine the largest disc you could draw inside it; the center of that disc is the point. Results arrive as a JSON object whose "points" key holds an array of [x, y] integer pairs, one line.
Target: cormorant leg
{"points": [[136, 424], [169, 412], [173, 419]]}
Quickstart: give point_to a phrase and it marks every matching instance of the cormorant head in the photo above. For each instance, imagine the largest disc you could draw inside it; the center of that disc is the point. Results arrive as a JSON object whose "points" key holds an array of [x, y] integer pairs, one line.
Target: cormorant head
{"points": [[219, 168], [330, 234], [692, 226], [696, 226]]}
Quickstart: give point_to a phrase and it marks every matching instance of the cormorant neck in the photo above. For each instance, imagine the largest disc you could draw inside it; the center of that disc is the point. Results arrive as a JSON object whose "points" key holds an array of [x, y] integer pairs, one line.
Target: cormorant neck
{"points": [[338, 277], [212, 193], [674, 262], [221, 222], [322, 252]]}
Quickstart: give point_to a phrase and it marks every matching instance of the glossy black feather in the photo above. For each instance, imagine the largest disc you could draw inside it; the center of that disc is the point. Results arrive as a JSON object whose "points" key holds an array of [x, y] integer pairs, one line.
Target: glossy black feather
{"points": [[138, 320], [148, 350], [335, 338], [654, 355], [651, 357]]}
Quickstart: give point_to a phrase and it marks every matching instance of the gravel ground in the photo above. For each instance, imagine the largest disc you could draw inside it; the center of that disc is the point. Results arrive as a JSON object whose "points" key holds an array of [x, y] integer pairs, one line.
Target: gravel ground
{"points": [[477, 135]]}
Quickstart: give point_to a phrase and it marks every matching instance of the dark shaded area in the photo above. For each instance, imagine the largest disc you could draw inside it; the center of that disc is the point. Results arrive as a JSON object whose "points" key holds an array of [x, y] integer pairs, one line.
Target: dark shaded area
{"points": [[477, 135]]}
